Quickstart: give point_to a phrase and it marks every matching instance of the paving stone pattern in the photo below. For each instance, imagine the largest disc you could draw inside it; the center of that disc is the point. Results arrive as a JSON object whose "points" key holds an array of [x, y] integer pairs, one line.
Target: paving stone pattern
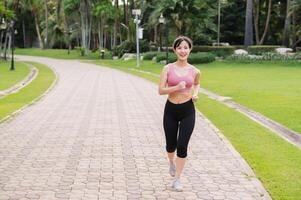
{"points": [[98, 135]]}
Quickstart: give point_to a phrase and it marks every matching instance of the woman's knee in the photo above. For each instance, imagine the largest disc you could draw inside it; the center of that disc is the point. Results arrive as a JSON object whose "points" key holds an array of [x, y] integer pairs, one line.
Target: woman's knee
{"points": [[171, 148], [181, 151]]}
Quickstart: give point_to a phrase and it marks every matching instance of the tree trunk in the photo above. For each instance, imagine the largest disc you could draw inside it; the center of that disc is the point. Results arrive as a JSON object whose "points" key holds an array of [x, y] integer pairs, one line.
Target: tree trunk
{"points": [[100, 34], [286, 31], [41, 43], [296, 43], [111, 40], [105, 39], [85, 25], [1, 36], [116, 24], [5, 44], [266, 23], [24, 36], [156, 35], [9, 43], [125, 13], [294, 21], [89, 27], [256, 9], [249, 24], [83, 32], [46, 24]]}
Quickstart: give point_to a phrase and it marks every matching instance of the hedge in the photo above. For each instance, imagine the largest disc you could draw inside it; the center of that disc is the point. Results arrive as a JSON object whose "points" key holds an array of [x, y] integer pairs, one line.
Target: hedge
{"points": [[220, 51], [260, 49], [194, 58]]}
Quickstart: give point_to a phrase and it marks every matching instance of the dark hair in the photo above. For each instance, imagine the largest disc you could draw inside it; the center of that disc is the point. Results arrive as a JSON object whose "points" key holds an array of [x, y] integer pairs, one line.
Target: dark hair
{"points": [[180, 39]]}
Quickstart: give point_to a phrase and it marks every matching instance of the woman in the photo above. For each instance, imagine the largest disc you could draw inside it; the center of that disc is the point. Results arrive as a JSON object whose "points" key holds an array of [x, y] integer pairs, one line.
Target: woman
{"points": [[181, 82]]}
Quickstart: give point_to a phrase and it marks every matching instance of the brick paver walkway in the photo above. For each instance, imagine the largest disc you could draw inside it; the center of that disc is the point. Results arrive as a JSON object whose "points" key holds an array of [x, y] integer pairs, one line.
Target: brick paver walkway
{"points": [[98, 135]]}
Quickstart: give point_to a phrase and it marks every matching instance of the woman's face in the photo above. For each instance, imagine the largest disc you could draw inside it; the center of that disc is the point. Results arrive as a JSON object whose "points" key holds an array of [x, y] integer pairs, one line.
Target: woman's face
{"points": [[182, 51]]}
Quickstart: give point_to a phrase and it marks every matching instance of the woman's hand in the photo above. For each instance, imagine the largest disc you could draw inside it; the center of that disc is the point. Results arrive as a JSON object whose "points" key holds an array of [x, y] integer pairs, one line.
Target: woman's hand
{"points": [[181, 85], [195, 97]]}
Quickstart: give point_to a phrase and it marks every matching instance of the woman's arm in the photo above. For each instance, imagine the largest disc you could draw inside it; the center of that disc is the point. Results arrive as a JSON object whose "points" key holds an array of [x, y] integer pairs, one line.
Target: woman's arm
{"points": [[196, 86], [163, 88]]}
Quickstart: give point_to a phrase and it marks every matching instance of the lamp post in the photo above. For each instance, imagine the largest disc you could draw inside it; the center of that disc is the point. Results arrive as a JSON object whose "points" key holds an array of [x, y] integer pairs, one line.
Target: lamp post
{"points": [[219, 20], [3, 24], [137, 13], [161, 21], [166, 41], [12, 66]]}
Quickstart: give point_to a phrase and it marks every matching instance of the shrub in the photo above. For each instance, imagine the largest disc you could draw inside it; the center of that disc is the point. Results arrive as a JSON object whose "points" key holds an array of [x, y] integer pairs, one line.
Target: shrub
{"points": [[221, 51], [125, 47], [144, 46], [238, 46], [194, 58], [201, 57], [149, 55], [129, 47], [80, 50], [162, 56], [269, 56], [259, 50], [107, 54]]}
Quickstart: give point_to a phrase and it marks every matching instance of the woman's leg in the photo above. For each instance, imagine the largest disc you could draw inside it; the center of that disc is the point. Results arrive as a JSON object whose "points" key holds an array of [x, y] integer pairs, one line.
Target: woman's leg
{"points": [[185, 131], [170, 128]]}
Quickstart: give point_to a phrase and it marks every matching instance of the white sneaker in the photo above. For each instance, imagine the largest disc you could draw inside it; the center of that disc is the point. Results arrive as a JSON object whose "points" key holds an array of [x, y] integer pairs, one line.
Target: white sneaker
{"points": [[176, 185], [172, 169]]}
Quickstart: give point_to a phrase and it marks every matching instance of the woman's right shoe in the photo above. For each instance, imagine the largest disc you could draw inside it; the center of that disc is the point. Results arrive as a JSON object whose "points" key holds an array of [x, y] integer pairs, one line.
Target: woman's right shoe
{"points": [[172, 169], [176, 185]]}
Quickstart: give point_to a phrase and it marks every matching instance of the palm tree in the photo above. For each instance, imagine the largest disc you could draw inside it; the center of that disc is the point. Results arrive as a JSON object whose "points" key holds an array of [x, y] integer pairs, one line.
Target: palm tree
{"points": [[268, 3], [46, 23], [86, 22], [103, 11], [291, 7], [287, 23], [116, 24]]}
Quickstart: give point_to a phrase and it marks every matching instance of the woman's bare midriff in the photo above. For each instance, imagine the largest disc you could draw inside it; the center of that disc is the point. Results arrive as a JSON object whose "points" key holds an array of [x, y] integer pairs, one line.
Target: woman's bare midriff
{"points": [[179, 97]]}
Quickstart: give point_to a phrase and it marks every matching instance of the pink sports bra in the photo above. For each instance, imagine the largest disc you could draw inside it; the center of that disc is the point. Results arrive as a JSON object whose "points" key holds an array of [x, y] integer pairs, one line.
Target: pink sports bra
{"points": [[173, 78]]}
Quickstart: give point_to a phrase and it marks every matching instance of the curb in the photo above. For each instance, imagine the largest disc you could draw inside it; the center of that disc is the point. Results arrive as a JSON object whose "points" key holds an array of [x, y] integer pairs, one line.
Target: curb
{"points": [[23, 83], [20, 110]]}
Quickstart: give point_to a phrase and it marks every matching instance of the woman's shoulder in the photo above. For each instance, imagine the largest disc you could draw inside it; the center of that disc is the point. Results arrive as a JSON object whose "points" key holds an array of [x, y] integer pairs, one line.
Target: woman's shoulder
{"points": [[195, 69], [167, 67]]}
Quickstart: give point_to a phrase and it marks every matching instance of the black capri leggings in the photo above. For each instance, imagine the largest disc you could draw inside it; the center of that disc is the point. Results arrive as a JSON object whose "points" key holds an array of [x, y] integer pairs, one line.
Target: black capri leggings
{"points": [[178, 118]]}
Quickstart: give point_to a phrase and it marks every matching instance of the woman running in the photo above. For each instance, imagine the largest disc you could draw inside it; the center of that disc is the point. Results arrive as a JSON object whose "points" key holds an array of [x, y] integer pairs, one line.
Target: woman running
{"points": [[181, 82]]}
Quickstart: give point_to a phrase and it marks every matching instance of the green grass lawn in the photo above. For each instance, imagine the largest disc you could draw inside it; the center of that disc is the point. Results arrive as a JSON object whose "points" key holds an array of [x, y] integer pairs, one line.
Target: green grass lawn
{"points": [[28, 94], [272, 89], [275, 162], [56, 53], [10, 78]]}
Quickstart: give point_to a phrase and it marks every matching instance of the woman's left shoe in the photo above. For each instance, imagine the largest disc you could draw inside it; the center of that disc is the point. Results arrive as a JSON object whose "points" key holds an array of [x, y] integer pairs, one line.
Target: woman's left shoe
{"points": [[172, 169], [176, 185]]}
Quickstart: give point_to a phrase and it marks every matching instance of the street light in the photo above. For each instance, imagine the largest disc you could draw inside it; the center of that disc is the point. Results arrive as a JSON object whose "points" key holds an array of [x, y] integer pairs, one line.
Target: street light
{"points": [[161, 21], [219, 20], [137, 13], [3, 24]]}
